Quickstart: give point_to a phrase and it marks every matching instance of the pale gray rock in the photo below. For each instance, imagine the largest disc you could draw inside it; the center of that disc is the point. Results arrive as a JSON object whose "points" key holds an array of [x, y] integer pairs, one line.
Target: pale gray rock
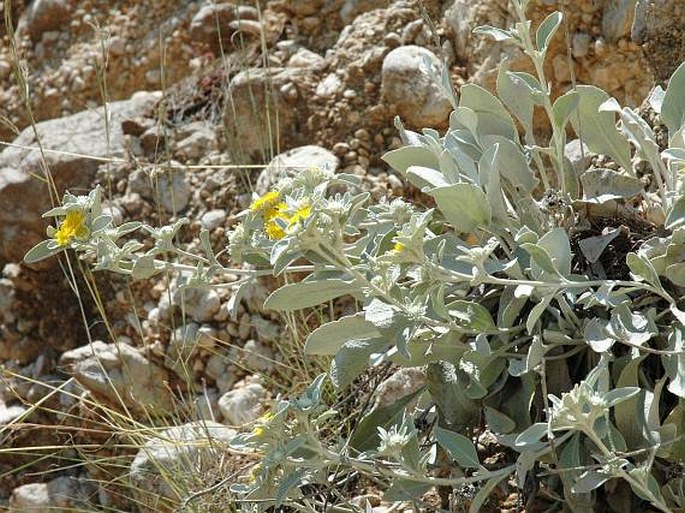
{"points": [[172, 188], [353, 8], [304, 58], [199, 304], [59, 495], [114, 371], [257, 356], [579, 155], [212, 219], [292, 162], [73, 145], [242, 405], [409, 88], [402, 383], [177, 453], [252, 94], [211, 24], [10, 413], [197, 142]]}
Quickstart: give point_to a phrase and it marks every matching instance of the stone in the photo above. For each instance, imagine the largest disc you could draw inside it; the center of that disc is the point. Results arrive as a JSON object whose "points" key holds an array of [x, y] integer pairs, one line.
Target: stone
{"points": [[579, 155], [211, 24], [242, 405], [42, 16], [177, 453], [304, 58], [411, 89], [198, 142], [173, 190], [259, 97], [402, 383], [257, 356], [118, 371], [212, 219], [329, 86], [293, 161], [10, 413], [199, 304], [60, 494], [657, 26], [353, 8], [80, 141]]}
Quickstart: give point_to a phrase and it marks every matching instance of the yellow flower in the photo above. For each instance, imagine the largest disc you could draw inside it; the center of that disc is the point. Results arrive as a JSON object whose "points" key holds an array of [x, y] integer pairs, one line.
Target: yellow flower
{"points": [[300, 215], [262, 422], [254, 472], [273, 229], [73, 226], [398, 247], [267, 203]]}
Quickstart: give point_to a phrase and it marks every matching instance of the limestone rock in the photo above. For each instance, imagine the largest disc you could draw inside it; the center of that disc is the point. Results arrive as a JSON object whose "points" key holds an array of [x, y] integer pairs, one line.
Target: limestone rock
{"points": [[409, 87], [242, 405], [60, 494], [118, 370], [179, 452], [213, 219], [211, 24], [402, 383], [73, 145], [658, 26], [292, 162], [257, 98]]}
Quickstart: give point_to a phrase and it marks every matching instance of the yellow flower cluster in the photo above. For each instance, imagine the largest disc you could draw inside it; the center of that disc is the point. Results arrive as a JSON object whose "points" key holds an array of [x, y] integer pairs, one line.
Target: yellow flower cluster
{"points": [[275, 215], [73, 226]]}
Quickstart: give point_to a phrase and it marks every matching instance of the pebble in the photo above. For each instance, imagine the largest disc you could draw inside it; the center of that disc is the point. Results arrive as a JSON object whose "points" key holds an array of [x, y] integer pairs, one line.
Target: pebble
{"points": [[213, 219], [242, 405]]}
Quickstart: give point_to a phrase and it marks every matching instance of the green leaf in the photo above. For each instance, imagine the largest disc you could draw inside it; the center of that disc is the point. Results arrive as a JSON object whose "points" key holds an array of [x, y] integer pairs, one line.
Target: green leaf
{"points": [[673, 106], [493, 117], [483, 494], [464, 206], [536, 312], [290, 480], [405, 490], [498, 422], [676, 215], [520, 92], [329, 338], [542, 259], [593, 247], [601, 185], [496, 33], [676, 273], [365, 435], [353, 358], [461, 449], [296, 296], [144, 268], [590, 480], [563, 108], [41, 251], [618, 395], [100, 222], [546, 30], [403, 158], [532, 435], [596, 336], [598, 129], [642, 269], [426, 178], [472, 316]]}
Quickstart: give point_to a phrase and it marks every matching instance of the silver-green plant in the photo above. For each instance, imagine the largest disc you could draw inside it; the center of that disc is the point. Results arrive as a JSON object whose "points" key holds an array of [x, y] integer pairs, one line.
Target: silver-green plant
{"points": [[498, 292]]}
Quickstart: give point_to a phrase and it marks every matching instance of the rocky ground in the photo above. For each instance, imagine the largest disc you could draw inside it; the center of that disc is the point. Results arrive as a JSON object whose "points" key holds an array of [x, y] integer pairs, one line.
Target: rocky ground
{"points": [[201, 97]]}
